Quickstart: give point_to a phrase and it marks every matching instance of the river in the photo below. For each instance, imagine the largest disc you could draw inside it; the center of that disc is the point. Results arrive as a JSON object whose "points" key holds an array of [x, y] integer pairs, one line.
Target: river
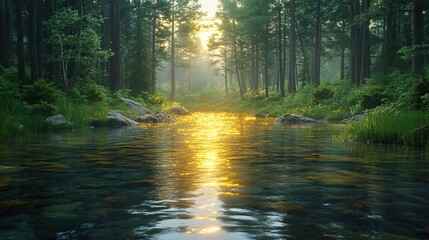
{"points": [[210, 176]]}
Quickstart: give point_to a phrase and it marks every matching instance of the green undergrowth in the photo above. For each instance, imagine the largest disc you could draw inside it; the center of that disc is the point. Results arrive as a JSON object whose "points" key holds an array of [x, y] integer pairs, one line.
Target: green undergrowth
{"points": [[389, 127], [24, 109], [395, 104], [330, 106]]}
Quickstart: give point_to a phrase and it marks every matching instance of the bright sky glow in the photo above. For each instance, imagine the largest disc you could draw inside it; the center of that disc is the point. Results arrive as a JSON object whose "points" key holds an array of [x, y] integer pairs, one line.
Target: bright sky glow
{"points": [[209, 6]]}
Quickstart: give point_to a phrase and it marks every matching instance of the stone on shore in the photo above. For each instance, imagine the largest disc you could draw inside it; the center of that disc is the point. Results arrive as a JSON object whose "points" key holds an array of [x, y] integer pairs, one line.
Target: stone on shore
{"points": [[295, 119], [57, 120], [159, 117], [115, 119], [135, 106], [179, 110]]}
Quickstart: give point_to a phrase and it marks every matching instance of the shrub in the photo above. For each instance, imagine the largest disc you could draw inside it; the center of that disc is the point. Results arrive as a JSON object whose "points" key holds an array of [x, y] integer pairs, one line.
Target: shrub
{"points": [[44, 108], [321, 94], [419, 91], [41, 91], [94, 93], [372, 97]]}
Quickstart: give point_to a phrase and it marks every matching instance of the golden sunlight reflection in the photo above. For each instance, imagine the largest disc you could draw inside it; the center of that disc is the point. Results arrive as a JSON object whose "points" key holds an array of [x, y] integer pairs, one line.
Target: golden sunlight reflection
{"points": [[194, 177]]}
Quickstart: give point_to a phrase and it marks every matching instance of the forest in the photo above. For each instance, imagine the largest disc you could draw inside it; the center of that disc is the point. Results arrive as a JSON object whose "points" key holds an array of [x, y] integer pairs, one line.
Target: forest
{"points": [[214, 119], [325, 59]]}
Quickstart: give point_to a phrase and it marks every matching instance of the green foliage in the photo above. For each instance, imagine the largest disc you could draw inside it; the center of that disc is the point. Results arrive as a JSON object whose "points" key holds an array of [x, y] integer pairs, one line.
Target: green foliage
{"points": [[81, 114], [74, 39], [94, 93], [320, 94], [41, 91], [387, 127], [8, 88], [371, 97], [18, 119], [420, 90]]}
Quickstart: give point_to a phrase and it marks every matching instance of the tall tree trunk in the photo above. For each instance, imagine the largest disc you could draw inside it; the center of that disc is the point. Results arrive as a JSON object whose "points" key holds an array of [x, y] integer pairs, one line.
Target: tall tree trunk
{"points": [[366, 56], [280, 56], [6, 47], [39, 34], [317, 44], [153, 58], [20, 42], [253, 68], [358, 44], [242, 70], [225, 68], [240, 87], [352, 42], [50, 67], [172, 63], [342, 64], [305, 67], [418, 28], [32, 41], [257, 64], [115, 34], [105, 40], [266, 60], [292, 51]]}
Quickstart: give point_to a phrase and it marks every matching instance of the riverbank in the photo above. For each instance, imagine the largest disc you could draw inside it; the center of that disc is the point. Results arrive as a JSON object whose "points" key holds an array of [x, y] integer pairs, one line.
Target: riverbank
{"points": [[25, 111], [395, 107]]}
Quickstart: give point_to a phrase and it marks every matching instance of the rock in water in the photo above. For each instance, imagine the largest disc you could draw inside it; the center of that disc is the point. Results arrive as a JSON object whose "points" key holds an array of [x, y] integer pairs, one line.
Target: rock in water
{"points": [[295, 119], [159, 117], [116, 120], [179, 110], [57, 120], [355, 118], [135, 106]]}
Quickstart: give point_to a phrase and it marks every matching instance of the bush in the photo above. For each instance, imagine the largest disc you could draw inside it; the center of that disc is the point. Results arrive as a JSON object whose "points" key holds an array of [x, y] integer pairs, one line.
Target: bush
{"points": [[94, 93], [41, 91], [419, 91], [44, 108], [321, 94], [371, 97]]}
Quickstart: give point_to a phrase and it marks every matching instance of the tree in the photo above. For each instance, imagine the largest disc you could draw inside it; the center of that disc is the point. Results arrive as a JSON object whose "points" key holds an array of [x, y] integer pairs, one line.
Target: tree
{"points": [[20, 52], [32, 40], [292, 50], [140, 66], [72, 45], [182, 13], [418, 26], [115, 37], [366, 51], [280, 58], [6, 49], [317, 44]]}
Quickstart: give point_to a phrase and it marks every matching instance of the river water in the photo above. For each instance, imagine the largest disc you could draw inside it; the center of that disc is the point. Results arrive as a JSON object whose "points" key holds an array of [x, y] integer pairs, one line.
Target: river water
{"points": [[211, 176]]}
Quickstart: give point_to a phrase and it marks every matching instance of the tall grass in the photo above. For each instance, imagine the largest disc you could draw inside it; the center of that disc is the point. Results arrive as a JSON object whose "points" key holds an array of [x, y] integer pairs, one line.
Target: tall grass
{"points": [[389, 127], [17, 119], [81, 114]]}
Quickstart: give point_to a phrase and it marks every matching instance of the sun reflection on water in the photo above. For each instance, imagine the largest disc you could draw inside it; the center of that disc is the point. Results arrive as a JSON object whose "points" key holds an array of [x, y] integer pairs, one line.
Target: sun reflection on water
{"points": [[198, 174]]}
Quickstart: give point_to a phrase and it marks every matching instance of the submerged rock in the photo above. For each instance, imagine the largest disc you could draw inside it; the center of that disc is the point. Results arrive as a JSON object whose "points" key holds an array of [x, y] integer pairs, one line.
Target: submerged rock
{"points": [[57, 120], [262, 115], [135, 106], [115, 119], [356, 118], [159, 117], [179, 110], [295, 119]]}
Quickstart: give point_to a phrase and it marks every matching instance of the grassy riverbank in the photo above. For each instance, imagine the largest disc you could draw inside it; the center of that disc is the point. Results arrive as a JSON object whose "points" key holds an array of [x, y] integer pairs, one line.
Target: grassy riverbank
{"points": [[394, 104], [24, 110]]}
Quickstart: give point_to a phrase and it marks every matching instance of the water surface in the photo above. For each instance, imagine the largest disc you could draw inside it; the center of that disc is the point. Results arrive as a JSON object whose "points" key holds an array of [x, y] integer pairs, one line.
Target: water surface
{"points": [[210, 176]]}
